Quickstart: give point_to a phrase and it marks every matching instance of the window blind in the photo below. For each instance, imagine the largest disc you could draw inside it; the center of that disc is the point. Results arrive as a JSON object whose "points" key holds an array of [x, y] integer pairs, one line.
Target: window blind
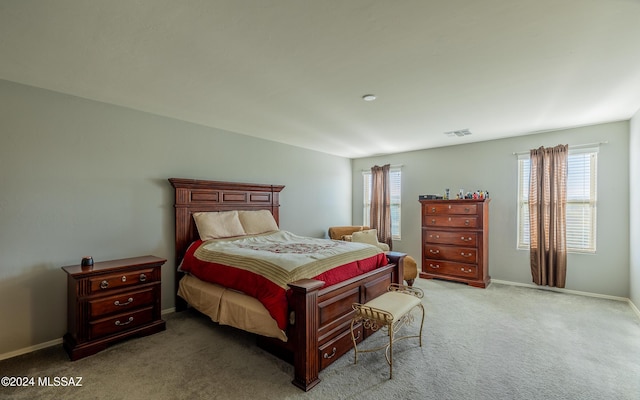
{"points": [[581, 200], [395, 177]]}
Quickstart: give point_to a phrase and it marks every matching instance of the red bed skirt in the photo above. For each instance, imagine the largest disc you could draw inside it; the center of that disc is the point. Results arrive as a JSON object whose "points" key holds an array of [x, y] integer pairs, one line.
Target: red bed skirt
{"points": [[272, 296]]}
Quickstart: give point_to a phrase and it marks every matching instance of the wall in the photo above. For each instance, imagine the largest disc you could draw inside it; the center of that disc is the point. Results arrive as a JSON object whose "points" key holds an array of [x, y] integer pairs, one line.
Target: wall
{"points": [[492, 166], [634, 209], [80, 177]]}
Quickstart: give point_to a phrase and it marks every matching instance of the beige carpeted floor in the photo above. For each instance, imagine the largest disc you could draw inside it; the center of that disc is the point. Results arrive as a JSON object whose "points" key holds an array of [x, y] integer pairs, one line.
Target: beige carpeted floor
{"points": [[503, 342]]}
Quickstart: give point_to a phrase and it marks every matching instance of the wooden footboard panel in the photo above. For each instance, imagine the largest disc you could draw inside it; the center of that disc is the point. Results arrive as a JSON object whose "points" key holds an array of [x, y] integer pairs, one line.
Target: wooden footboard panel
{"points": [[320, 333]]}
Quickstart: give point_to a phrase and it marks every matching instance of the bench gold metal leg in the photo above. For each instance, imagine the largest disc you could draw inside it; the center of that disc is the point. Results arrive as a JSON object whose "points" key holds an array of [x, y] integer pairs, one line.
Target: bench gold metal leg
{"points": [[377, 318]]}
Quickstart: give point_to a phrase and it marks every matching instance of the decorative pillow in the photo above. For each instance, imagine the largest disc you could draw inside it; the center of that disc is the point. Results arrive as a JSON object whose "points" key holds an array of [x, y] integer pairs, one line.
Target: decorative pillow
{"points": [[369, 236], [259, 221], [215, 225]]}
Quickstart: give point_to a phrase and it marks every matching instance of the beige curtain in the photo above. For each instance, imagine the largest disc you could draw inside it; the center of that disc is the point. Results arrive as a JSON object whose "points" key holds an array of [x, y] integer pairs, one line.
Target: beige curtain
{"points": [[547, 212], [380, 214]]}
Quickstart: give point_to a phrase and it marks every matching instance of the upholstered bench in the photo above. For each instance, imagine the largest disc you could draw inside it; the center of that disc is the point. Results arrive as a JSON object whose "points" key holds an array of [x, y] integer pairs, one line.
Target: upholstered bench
{"points": [[390, 311]]}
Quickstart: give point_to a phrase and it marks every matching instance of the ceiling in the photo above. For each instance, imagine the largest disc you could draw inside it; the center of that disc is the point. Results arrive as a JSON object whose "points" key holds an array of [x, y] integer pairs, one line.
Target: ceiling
{"points": [[295, 71]]}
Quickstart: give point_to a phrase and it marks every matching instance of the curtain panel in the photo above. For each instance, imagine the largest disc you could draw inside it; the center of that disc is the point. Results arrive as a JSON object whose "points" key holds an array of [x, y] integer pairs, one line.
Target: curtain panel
{"points": [[547, 215], [380, 213]]}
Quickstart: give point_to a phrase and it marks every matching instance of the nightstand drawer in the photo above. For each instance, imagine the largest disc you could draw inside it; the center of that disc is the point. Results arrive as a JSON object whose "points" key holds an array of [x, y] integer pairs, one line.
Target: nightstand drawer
{"points": [[120, 322], [110, 301], [127, 278], [121, 302]]}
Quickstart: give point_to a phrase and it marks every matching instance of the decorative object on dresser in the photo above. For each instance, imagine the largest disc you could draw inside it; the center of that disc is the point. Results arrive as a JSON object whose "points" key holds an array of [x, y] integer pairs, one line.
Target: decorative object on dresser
{"points": [[111, 300], [318, 328], [455, 241]]}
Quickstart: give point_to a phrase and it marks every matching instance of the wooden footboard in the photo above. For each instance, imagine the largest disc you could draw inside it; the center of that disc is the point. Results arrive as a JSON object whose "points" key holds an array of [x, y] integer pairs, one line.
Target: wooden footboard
{"points": [[320, 332]]}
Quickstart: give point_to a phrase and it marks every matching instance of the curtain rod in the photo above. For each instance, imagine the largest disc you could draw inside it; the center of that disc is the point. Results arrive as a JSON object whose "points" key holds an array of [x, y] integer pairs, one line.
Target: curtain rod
{"points": [[576, 146], [390, 166]]}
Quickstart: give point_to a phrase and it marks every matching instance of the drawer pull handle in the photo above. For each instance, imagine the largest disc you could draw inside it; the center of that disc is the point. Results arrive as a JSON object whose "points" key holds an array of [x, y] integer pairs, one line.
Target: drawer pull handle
{"points": [[328, 356], [466, 271], [124, 278], [463, 254], [434, 266], [465, 239], [437, 236], [433, 221], [466, 222], [117, 302], [104, 284], [433, 209], [434, 251], [143, 277], [467, 209], [124, 323]]}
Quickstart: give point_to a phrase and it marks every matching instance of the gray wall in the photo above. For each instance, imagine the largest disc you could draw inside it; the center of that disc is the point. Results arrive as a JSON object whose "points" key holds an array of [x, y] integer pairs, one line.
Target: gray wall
{"points": [[634, 209], [492, 166], [79, 177]]}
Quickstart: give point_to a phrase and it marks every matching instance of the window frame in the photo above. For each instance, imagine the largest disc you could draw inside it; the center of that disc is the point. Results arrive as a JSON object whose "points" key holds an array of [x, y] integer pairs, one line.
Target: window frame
{"points": [[588, 204], [396, 200]]}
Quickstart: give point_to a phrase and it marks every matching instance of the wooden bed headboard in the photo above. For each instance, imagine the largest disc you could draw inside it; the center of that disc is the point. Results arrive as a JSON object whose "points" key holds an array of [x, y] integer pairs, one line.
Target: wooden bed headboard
{"points": [[193, 195]]}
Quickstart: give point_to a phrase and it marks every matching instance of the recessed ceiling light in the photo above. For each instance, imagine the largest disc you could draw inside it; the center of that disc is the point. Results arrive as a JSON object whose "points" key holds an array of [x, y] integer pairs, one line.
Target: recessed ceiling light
{"points": [[369, 97]]}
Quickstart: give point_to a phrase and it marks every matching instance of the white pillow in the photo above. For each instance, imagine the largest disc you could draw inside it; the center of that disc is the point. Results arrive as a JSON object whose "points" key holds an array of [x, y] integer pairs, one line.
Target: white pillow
{"points": [[259, 221], [369, 236], [215, 225]]}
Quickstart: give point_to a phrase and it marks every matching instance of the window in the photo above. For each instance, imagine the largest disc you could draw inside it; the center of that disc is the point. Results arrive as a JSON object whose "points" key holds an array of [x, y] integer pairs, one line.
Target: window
{"points": [[581, 200], [395, 178]]}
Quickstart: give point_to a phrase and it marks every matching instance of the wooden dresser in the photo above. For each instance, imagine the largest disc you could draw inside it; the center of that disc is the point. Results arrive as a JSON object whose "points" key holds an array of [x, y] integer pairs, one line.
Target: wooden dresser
{"points": [[110, 301], [455, 236]]}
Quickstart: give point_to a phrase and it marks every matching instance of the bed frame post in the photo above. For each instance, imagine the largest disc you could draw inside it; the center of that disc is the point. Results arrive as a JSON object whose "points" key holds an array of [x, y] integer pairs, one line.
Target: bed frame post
{"points": [[306, 360], [397, 258]]}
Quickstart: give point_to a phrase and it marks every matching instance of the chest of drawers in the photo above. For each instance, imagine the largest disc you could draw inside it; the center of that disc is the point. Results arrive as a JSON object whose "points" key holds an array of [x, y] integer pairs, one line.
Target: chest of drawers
{"points": [[110, 301], [455, 237]]}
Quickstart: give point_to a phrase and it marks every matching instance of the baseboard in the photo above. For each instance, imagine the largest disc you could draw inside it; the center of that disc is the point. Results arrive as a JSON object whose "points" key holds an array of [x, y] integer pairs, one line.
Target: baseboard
{"points": [[54, 342], [561, 290], [19, 352], [634, 308]]}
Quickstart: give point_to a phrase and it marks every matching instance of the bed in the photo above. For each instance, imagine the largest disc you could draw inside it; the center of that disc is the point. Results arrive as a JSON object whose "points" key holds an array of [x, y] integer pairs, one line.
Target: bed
{"points": [[317, 327]]}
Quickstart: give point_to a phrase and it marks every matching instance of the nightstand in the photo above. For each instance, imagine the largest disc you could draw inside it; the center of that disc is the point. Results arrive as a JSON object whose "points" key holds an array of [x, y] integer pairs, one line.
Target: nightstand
{"points": [[111, 301]]}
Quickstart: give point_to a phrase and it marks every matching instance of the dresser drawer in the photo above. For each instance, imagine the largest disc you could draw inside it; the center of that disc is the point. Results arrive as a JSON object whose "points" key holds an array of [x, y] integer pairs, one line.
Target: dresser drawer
{"points": [[469, 239], [123, 279], [450, 253], [338, 346], [450, 268], [121, 302], [443, 208], [120, 322], [451, 221]]}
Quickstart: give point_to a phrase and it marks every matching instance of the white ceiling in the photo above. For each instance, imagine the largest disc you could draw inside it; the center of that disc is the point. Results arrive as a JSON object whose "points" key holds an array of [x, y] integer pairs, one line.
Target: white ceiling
{"points": [[294, 71]]}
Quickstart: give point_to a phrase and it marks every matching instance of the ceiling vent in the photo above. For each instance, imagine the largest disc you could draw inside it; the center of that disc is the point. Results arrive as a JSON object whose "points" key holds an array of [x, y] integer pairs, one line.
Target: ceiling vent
{"points": [[460, 133]]}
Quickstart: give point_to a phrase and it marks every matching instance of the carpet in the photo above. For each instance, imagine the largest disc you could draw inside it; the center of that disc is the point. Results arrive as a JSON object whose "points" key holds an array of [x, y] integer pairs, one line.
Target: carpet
{"points": [[503, 342]]}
